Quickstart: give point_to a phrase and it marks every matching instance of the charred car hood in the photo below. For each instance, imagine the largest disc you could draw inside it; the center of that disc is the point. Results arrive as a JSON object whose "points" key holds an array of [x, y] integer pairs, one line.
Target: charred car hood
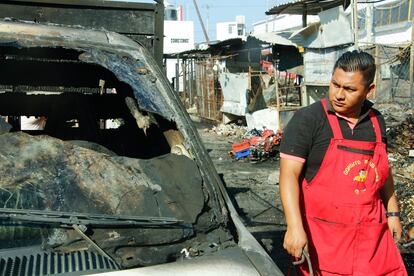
{"points": [[131, 63]]}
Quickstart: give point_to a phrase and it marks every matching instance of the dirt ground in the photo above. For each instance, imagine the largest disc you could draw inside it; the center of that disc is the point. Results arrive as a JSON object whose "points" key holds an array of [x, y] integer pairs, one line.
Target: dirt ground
{"points": [[254, 191]]}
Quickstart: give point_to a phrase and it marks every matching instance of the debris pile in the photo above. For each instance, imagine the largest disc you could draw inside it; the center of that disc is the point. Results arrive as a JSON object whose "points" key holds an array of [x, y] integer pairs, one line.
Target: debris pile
{"points": [[257, 145], [400, 136], [227, 130]]}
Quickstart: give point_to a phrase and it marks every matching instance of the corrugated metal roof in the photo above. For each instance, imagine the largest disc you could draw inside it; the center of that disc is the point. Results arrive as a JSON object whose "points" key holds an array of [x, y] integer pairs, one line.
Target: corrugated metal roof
{"points": [[312, 7], [226, 42], [275, 38], [334, 29]]}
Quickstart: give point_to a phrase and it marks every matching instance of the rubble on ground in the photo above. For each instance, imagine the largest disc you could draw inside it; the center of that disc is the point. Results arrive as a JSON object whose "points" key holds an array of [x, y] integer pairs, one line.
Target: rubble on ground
{"points": [[400, 135], [228, 130]]}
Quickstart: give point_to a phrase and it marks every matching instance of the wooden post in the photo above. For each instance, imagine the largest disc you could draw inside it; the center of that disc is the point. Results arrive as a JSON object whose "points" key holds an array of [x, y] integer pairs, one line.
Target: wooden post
{"points": [[377, 73], [191, 82], [277, 94], [304, 16], [184, 66], [177, 75]]}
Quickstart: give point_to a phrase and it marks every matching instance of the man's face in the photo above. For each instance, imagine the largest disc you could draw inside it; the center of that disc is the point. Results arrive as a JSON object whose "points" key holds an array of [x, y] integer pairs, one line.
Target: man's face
{"points": [[347, 92]]}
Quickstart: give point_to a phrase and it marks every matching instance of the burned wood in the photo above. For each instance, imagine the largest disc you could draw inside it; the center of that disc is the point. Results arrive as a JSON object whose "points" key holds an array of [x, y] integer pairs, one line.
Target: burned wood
{"points": [[143, 121], [175, 139]]}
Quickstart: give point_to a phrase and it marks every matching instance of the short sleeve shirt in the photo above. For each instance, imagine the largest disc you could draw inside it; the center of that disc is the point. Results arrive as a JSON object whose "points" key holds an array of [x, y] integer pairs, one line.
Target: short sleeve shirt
{"points": [[308, 134]]}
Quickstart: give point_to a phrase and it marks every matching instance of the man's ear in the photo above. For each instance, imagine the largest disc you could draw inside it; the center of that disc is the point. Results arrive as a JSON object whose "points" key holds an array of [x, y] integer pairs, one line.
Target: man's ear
{"points": [[371, 90]]}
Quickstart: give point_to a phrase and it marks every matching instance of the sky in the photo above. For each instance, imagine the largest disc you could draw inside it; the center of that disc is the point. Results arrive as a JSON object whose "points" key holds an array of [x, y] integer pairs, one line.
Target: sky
{"points": [[214, 11]]}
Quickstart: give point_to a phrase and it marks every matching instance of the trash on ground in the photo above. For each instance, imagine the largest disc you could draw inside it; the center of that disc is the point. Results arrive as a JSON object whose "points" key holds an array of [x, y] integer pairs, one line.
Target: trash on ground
{"points": [[257, 145]]}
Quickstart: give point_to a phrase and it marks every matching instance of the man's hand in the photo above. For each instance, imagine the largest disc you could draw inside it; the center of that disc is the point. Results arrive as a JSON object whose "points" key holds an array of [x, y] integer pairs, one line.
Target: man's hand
{"points": [[295, 237], [391, 205], [394, 224], [295, 241]]}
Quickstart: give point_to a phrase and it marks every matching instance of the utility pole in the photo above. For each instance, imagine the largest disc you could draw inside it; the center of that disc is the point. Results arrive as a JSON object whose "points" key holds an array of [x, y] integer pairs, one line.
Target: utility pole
{"points": [[201, 21]]}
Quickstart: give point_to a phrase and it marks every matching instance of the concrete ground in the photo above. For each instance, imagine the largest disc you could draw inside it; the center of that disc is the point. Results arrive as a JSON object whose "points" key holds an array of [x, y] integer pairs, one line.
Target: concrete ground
{"points": [[254, 192]]}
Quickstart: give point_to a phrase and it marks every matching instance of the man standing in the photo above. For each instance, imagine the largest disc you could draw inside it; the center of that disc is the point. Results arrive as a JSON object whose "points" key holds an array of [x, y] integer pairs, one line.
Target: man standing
{"points": [[336, 188]]}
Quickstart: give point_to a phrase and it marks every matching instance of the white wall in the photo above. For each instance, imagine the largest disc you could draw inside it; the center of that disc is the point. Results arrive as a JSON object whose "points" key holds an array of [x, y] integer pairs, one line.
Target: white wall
{"points": [[178, 36], [227, 30], [393, 36]]}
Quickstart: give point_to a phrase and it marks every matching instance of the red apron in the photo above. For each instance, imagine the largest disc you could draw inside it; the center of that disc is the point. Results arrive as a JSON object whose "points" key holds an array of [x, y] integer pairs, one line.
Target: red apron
{"points": [[344, 216]]}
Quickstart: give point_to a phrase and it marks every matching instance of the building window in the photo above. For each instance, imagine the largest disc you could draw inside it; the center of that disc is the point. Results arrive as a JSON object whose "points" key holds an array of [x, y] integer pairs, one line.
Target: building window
{"points": [[240, 29], [231, 26], [392, 13]]}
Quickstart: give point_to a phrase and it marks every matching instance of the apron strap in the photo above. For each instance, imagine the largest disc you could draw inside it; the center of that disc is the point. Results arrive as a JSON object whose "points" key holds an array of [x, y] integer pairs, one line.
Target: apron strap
{"points": [[333, 121], [376, 126]]}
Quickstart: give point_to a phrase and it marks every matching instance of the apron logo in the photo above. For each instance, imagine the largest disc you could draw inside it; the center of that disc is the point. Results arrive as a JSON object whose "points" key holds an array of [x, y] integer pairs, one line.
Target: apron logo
{"points": [[360, 179], [362, 175]]}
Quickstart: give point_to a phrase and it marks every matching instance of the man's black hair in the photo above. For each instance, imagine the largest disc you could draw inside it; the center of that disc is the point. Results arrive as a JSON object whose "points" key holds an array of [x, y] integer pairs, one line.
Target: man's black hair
{"points": [[353, 61]]}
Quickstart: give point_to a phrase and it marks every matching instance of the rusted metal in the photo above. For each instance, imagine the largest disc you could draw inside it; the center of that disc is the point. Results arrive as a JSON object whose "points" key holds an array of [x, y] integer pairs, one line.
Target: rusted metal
{"points": [[209, 96]]}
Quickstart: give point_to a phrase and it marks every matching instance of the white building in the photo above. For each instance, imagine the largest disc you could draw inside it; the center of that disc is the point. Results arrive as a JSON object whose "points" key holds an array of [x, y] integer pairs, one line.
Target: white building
{"points": [[178, 36], [386, 22], [234, 29], [382, 22]]}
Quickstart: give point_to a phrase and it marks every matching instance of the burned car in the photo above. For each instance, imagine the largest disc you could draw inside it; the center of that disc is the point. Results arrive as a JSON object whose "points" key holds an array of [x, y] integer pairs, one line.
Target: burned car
{"points": [[102, 170]]}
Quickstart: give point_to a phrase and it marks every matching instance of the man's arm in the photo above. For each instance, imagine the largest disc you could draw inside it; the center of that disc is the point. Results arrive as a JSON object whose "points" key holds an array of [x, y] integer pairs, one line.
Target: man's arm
{"points": [[391, 205], [295, 237]]}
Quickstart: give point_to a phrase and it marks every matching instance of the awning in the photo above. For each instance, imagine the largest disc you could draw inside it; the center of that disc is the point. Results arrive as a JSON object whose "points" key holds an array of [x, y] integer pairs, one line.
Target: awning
{"points": [[310, 7], [275, 38]]}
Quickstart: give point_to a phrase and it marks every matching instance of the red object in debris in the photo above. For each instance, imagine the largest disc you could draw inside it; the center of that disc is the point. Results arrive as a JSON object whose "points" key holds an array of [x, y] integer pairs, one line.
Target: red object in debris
{"points": [[255, 140], [267, 133], [244, 145], [259, 139]]}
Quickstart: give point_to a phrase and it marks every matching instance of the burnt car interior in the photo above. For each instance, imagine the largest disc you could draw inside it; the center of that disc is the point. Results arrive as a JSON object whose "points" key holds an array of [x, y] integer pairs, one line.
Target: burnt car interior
{"points": [[74, 100]]}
